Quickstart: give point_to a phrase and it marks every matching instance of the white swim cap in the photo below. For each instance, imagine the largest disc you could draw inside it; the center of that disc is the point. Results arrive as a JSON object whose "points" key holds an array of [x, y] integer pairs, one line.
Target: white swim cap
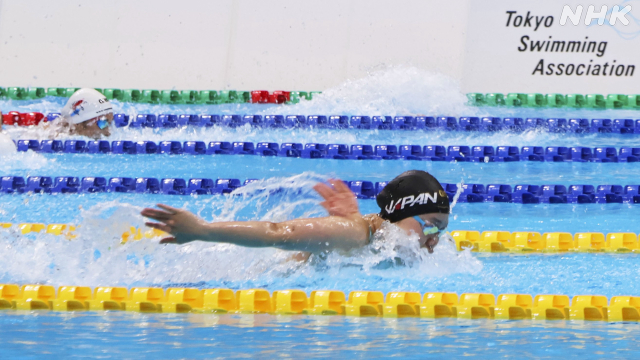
{"points": [[85, 104]]}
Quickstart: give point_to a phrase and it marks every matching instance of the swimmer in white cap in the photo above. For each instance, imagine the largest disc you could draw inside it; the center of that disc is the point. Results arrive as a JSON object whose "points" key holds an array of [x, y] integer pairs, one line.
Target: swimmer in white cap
{"points": [[414, 201], [87, 113]]}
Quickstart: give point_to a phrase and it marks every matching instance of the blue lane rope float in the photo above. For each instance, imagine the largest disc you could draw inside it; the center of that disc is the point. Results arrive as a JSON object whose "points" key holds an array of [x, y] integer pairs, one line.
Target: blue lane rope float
{"points": [[458, 153], [321, 302], [410, 123], [469, 193]]}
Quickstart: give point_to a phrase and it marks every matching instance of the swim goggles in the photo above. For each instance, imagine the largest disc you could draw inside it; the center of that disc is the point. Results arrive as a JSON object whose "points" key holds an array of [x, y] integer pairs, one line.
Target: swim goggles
{"points": [[428, 228], [101, 122]]}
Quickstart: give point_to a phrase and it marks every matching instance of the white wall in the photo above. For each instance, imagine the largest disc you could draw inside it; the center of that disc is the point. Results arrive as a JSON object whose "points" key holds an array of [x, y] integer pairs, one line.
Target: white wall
{"points": [[293, 44], [199, 44]]}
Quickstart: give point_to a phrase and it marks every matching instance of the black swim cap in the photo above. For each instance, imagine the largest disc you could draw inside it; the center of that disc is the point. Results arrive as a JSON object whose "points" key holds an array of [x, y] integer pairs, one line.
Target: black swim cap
{"points": [[411, 193]]}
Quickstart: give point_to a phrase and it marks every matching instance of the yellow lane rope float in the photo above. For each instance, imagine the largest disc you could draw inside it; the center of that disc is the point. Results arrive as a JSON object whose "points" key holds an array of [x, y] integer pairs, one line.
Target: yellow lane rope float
{"points": [[487, 241], [321, 302]]}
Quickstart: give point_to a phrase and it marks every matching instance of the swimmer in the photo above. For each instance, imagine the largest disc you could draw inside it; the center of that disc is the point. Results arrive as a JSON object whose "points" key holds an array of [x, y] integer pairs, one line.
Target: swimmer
{"points": [[414, 201], [87, 113]]}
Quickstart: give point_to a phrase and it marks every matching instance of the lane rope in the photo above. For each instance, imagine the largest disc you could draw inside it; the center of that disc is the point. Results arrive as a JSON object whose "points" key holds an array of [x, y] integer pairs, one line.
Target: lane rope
{"points": [[487, 241], [458, 153], [469, 193], [321, 302], [169, 97]]}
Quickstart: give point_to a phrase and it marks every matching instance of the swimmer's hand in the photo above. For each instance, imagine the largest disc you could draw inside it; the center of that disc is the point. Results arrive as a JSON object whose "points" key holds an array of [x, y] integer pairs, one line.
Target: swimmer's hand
{"points": [[339, 200], [182, 224]]}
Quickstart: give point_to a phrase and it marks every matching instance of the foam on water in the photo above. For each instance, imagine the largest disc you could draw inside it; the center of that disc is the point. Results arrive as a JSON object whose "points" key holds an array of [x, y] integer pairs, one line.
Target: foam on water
{"points": [[7, 146], [394, 91], [351, 136], [96, 256], [398, 90], [10, 158], [391, 262]]}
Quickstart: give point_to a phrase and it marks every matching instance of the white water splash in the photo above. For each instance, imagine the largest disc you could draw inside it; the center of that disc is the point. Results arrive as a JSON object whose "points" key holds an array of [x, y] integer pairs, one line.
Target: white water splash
{"points": [[96, 256], [392, 248], [7, 147], [396, 90], [456, 196], [10, 158]]}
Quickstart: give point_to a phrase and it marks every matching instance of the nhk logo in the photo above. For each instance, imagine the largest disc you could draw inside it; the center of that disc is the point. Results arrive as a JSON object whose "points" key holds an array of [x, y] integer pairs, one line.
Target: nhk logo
{"points": [[616, 13]]}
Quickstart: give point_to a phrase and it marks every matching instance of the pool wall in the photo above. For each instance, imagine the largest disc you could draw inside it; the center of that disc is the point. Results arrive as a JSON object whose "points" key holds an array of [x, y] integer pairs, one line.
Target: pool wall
{"points": [[281, 45], [487, 46]]}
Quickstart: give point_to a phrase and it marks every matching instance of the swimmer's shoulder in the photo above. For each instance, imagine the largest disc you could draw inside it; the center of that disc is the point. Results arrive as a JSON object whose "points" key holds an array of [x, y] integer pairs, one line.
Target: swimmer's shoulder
{"points": [[374, 221]]}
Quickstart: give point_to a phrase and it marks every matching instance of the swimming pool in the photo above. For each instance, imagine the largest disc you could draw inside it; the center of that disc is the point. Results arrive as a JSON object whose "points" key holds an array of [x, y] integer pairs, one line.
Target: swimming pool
{"points": [[96, 257], [131, 335]]}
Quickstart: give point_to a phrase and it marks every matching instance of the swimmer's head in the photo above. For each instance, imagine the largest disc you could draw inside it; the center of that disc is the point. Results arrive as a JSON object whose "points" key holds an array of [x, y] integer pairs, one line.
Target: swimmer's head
{"points": [[88, 113], [415, 200]]}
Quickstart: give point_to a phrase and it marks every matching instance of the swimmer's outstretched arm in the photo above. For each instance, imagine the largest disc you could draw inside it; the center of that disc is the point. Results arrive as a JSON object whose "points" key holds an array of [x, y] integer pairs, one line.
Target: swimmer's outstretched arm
{"points": [[312, 234], [343, 229]]}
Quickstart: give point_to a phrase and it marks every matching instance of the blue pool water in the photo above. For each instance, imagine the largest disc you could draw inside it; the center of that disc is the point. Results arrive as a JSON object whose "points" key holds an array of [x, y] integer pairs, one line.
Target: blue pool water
{"points": [[96, 257], [193, 336]]}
